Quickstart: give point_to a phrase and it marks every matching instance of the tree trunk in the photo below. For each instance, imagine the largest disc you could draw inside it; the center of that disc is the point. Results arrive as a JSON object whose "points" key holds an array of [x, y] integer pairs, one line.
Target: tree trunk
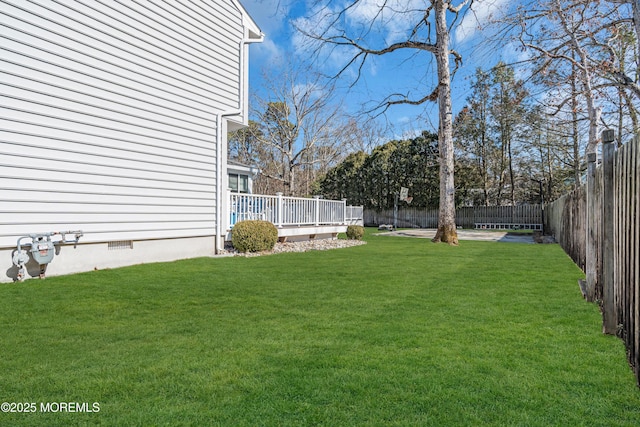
{"points": [[503, 167], [635, 7], [574, 116], [511, 175], [583, 66], [594, 117], [447, 212], [484, 171]]}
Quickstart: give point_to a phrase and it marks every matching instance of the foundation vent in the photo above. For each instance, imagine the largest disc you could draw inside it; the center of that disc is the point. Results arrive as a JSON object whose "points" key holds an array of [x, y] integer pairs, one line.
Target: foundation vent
{"points": [[119, 245]]}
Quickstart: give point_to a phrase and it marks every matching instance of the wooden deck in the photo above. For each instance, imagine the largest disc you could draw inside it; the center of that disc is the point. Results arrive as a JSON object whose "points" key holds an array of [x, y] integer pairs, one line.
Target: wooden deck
{"points": [[296, 218]]}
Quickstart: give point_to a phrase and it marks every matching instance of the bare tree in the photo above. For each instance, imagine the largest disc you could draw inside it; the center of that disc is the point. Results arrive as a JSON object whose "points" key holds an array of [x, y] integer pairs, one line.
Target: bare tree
{"points": [[363, 135], [620, 73], [563, 39], [587, 52], [299, 131], [429, 33]]}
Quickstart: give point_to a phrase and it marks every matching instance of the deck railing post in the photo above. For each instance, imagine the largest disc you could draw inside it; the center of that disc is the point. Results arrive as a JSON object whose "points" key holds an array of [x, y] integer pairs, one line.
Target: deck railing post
{"points": [[609, 315], [316, 210], [344, 211], [279, 209], [229, 218]]}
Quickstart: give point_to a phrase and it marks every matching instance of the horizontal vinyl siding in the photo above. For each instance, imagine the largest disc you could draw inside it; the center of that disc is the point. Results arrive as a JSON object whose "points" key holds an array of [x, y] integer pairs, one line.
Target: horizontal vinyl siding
{"points": [[108, 115]]}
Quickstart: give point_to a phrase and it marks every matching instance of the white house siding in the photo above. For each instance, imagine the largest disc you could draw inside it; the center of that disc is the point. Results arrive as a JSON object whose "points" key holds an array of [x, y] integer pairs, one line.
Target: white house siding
{"points": [[108, 114]]}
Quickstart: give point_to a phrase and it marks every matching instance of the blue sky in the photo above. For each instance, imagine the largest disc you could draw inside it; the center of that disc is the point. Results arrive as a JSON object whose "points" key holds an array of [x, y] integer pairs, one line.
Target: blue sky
{"points": [[396, 73]]}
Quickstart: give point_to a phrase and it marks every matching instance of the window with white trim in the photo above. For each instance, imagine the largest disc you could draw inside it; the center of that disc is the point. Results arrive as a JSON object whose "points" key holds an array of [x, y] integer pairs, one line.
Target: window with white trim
{"points": [[239, 183]]}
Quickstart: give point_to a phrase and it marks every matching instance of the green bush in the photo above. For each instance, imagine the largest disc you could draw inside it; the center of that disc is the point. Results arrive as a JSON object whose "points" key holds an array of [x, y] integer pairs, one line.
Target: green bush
{"points": [[355, 232], [254, 236]]}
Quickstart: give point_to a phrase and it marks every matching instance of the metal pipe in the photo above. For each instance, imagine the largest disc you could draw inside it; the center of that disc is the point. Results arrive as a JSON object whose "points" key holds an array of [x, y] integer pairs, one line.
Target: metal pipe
{"points": [[219, 136]]}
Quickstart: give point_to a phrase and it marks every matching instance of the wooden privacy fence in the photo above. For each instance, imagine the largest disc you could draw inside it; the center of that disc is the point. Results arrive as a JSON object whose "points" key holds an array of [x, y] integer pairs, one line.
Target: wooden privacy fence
{"points": [[566, 220], [598, 225], [525, 216]]}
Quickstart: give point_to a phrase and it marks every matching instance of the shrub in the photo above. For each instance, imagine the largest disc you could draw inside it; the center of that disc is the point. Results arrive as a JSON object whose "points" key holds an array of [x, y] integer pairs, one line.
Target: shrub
{"points": [[254, 236], [355, 232]]}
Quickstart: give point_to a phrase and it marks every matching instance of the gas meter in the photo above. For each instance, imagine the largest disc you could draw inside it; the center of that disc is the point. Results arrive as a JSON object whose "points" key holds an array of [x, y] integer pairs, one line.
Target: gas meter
{"points": [[42, 250]]}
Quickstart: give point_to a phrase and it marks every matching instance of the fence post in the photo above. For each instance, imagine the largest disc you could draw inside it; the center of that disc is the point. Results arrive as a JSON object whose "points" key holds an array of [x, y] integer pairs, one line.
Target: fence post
{"points": [[279, 209], [591, 255], [609, 315]]}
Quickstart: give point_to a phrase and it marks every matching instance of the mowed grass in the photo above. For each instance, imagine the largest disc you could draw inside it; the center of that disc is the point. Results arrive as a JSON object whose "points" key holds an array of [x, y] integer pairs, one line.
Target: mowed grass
{"points": [[398, 332]]}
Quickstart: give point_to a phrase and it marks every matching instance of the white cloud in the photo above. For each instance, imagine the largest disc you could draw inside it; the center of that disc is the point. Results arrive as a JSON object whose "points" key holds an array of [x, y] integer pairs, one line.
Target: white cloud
{"points": [[483, 11], [310, 89], [267, 50], [378, 26], [395, 12], [269, 15], [364, 11], [316, 21], [393, 21], [313, 23], [514, 51]]}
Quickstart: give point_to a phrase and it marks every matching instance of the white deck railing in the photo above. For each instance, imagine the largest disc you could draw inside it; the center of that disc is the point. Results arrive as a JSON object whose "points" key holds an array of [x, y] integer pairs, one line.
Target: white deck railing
{"points": [[355, 215], [292, 211]]}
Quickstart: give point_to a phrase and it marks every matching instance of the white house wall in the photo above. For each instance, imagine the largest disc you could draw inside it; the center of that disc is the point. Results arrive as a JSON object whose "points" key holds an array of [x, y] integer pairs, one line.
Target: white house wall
{"points": [[108, 116]]}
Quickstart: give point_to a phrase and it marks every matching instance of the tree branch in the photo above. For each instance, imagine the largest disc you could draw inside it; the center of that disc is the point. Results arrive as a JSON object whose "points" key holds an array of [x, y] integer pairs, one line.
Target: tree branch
{"points": [[624, 81]]}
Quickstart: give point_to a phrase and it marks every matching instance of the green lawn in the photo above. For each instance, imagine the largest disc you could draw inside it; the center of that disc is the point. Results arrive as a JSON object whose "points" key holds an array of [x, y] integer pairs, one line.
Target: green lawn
{"points": [[398, 332]]}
